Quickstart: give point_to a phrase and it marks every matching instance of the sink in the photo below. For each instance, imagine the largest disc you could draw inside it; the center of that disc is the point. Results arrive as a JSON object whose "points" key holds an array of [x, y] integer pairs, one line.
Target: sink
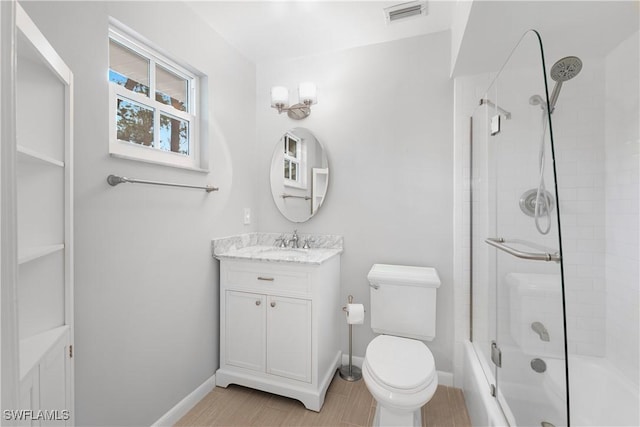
{"points": [[276, 250], [276, 253]]}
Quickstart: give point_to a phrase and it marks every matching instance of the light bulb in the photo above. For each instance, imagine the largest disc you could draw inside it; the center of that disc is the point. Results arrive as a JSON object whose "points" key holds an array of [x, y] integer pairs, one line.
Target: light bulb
{"points": [[307, 93], [279, 96]]}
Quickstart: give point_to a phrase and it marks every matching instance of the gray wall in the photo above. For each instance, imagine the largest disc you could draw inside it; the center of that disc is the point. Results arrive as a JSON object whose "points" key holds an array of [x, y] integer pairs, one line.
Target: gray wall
{"points": [[146, 287], [385, 115]]}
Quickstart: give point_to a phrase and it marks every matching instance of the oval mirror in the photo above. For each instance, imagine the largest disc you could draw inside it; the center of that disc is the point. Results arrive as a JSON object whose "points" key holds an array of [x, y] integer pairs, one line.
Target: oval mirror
{"points": [[299, 175]]}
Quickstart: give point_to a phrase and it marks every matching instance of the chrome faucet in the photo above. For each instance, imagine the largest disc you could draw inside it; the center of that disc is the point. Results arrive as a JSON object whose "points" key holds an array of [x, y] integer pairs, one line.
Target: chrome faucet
{"points": [[307, 243], [539, 329], [280, 241], [293, 242]]}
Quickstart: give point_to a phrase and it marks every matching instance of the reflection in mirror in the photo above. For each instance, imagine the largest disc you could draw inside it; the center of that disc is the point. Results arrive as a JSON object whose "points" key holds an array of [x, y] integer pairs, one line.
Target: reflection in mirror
{"points": [[299, 175]]}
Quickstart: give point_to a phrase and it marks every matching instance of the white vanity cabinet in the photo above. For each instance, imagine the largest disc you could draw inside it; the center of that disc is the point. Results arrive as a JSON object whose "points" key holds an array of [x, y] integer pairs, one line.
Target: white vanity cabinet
{"points": [[268, 333], [279, 327]]}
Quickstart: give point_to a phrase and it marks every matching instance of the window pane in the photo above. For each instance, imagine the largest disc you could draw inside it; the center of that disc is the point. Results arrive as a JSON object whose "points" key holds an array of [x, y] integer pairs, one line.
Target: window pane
{"points": [[174, 134], [292, 148], [128, 69], [287, 164], [134, 122], [171, 89], [294, 169]]}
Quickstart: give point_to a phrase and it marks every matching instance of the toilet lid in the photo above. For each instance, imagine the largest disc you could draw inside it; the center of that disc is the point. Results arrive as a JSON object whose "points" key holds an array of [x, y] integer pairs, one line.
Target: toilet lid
{"points": [[401, 363]]}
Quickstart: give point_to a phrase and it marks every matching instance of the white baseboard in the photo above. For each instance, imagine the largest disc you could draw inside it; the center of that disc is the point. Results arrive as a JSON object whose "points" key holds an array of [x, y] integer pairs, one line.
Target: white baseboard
{"points": [[444, 378], [174, 414]]}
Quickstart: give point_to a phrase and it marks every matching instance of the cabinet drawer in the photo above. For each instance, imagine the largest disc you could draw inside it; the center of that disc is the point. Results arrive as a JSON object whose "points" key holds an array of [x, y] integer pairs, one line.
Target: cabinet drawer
{"points": [[267, 278]]}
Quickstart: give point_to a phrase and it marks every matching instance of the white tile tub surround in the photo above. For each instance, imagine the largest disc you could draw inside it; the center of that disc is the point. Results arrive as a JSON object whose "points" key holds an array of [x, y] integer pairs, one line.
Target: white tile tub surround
{"points": [[535, 297], [621, 188], [579, 143]]}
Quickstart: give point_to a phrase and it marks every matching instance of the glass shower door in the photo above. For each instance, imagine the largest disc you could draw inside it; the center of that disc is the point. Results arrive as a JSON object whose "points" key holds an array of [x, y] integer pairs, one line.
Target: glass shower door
{"points": [[518, 309]]}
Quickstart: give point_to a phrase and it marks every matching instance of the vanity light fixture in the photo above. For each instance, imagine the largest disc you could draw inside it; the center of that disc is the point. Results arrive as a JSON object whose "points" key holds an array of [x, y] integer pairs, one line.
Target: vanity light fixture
{"points": [[307, 94]]}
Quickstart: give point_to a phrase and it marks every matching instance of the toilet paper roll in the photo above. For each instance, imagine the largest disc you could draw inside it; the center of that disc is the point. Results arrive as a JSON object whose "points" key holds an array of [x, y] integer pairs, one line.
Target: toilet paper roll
{"points": [[355, 314]]}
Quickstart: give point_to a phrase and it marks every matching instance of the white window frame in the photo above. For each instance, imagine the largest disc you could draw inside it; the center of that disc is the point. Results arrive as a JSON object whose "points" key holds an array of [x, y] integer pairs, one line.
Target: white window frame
{"points": [[133, 151], [300, 160]]}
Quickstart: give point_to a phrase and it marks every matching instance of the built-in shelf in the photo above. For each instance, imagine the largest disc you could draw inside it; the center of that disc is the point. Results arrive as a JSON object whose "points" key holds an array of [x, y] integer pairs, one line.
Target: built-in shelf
{"points": [[42, 218], [37, 252], [34, 348], [29, 154]]}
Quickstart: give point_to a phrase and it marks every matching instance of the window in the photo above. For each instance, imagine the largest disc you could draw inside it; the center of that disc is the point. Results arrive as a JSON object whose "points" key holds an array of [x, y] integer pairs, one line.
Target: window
{"points": [[295, 160], [152, 111]]}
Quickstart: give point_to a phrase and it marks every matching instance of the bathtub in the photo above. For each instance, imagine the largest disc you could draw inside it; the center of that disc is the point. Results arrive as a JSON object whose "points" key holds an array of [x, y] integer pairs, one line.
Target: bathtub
{"points": [[600, 395], [482, 407]]}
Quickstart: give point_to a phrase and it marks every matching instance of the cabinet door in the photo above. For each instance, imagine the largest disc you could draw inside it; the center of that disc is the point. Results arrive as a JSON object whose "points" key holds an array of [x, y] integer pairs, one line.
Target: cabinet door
{"points": [[245, 330], [54, 385], [289, 338], [29, 399]]}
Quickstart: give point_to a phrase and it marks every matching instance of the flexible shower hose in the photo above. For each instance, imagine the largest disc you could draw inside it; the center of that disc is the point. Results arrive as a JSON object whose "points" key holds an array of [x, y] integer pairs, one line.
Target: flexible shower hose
{"points": [[541, 195]]}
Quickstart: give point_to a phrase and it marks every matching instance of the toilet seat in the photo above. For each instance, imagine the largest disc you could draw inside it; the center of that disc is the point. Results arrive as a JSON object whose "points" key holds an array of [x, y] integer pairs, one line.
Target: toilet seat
{"points": [[401, 365]]}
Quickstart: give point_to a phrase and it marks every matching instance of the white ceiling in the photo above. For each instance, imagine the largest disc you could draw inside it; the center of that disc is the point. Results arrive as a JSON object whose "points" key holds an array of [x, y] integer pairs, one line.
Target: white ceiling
{"points": [[579, 28], [270, 30]]}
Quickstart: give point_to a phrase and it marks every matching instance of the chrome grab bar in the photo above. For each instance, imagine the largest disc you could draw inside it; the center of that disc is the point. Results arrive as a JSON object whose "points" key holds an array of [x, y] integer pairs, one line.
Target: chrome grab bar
{"points": [[500, 243]]}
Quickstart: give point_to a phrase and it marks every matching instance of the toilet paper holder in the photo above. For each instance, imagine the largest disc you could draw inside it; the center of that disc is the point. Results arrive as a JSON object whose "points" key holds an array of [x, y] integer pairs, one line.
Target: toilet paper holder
{"points": [[350, 301], [349, 372]]}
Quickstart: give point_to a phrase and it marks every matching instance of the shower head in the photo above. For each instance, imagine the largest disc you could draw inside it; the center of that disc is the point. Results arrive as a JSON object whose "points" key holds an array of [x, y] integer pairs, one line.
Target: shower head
{"points": [[537, 100], [566, 68], [563, 70]]}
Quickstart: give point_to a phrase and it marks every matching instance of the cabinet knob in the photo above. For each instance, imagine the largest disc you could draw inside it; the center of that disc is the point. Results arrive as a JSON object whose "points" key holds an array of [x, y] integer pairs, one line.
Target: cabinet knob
{"points": [[273, 303], [258, 302]]}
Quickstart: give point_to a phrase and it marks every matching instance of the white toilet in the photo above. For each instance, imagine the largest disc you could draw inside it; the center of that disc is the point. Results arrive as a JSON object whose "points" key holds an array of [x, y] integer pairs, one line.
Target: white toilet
{"points": [[398, 369]]}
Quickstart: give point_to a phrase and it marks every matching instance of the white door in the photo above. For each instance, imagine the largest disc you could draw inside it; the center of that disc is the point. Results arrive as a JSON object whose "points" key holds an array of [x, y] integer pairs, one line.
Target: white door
{"points": [[289, 338], [245, 330]]}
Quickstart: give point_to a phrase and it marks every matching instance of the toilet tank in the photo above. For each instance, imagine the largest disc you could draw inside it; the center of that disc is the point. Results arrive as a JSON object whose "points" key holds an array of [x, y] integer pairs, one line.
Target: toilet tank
{"points": [[403, 300]]}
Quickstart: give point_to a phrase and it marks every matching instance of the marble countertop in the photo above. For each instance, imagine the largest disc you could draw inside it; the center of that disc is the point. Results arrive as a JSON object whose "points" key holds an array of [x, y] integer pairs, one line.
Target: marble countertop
{"points": [[275, 254], [260, 247]]}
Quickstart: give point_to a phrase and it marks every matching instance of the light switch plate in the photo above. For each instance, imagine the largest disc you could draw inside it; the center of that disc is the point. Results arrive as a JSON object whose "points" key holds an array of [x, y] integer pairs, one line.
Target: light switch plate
{"points": [[247, 216]]}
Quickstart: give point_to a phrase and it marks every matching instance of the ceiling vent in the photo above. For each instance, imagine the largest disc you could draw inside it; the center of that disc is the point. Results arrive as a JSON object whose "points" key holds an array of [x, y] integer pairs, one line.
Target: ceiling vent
{"points": [[405, 10]]}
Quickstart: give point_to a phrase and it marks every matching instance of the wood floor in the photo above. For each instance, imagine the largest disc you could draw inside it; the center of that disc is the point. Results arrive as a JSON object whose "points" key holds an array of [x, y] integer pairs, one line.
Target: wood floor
{"points": [[346, 405]]}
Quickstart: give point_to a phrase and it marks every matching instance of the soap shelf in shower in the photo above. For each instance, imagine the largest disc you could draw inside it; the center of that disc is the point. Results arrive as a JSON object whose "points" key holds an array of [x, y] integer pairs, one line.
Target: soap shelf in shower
{"points": [[506, 245]]}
